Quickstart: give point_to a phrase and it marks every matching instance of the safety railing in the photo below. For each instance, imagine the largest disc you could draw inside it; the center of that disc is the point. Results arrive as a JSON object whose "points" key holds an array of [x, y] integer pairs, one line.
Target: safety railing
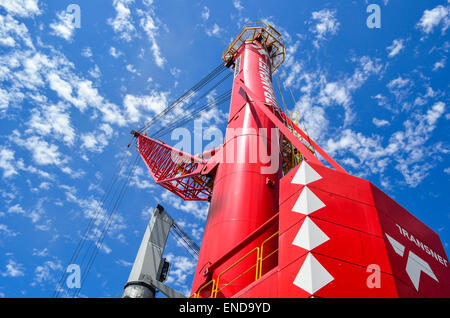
{"points": [[262, 258], [204, 287], [256, 249], [212, 287]]}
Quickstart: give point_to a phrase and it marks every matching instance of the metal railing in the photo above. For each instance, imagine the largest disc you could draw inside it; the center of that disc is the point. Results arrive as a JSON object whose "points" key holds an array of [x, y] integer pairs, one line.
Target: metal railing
{"points": [[268, 37], [257, 265]]}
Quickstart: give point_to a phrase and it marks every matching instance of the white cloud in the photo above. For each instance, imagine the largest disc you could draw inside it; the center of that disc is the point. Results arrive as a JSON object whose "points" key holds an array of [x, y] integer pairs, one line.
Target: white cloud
{"points": [[94, 210], [150, 25], [16, 209], [440, 64], [95, 72], [4, 99], [47, 272], [197, 209], [181, 268], [175, 72], [52, 120], [407, 150], [64, 27], [141, 179], [34, 64], [114, 52], [7, 161], [12, 30], [122, 23], [335, 92], [13, 269], [395, 48], [137, 107], [60, 86], [87, 52], [21, 166], [59, 73], [98, 140], [40, 253], [21, 8], [432, 18], [205, 13], [130, 68], [380, 122], [6, 232], [310, 117], [398, 82], [34, 215], [318, 92], [400, 87], [43, 152], [434, 113], [339, 92], [325, 24], [214, 31], [238, 5], [123, 263], [383, 101]]}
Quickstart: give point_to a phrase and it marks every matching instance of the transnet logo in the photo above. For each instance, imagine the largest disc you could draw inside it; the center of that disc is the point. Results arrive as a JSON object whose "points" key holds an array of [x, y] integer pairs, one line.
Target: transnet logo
{"points": [[415, 265]]}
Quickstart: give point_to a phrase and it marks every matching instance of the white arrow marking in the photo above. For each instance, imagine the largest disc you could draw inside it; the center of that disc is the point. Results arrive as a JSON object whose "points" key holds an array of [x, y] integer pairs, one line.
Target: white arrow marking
{"points": [[415, 266]]}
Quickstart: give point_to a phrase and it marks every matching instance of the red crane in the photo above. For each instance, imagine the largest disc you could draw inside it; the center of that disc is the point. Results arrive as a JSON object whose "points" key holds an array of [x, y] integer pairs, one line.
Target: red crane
{"points": [[281, 223]]}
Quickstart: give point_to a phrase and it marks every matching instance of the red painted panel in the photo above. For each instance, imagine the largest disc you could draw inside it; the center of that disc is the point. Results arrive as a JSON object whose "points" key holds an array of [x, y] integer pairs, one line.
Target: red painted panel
{"points": [[352, 246], [287, 217], [287, 189], [406, 220], [332, 181], [405, 290], [287, 251], [344, 243], [347, 212], [265, 287], [351, 281], [425, 252], [342, 184], [339, 210], [286, 277]]}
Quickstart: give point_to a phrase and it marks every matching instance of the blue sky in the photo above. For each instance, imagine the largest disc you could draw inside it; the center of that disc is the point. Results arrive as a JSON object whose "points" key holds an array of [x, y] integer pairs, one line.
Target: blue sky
{"points": [[375, 99]]}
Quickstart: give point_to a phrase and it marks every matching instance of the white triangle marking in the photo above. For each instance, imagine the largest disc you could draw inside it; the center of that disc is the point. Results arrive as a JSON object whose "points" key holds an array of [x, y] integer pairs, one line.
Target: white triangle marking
{"points": [[305, 174], [307, 202], [312, 276], [398, 247], [310, 235]]}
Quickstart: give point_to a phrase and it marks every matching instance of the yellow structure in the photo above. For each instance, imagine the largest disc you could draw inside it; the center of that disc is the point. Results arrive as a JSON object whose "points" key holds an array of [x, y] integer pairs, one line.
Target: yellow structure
{"points": [[266, 35]]}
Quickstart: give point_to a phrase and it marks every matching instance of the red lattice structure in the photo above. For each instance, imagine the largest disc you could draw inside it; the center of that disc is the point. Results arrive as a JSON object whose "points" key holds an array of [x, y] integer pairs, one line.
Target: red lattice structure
{"points": [[175, 170]]}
